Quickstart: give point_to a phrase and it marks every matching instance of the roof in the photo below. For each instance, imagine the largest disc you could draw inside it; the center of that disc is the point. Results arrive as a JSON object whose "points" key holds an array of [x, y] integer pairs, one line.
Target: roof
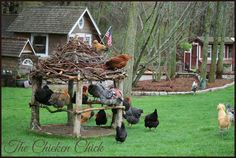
{"points": [[228, 40], [12, 47], [51, 19], [7, 19]]}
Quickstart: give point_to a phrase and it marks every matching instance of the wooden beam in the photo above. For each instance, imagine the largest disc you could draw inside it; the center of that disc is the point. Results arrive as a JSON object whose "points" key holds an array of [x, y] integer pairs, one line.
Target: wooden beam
{"points": [[119, 116], [78, 105], [78, 111]]}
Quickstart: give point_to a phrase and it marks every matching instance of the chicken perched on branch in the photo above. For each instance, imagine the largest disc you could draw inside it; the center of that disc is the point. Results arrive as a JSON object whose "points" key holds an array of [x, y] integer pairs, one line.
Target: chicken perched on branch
{"points": [[117, 62], [59, 99], [99, 48], [43, 95], [106, 96], [86, 115], [84, 96]]}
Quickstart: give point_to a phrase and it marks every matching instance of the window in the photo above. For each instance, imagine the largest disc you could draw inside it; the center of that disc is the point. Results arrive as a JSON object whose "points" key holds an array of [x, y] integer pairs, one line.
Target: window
{"points": [[27, 62], [230, 50], [40, 44], [209, 52], [86, 38], [81, 23]]}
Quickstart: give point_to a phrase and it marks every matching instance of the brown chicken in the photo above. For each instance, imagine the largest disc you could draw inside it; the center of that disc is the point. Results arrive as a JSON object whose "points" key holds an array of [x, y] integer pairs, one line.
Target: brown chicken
{"points": [[86, 115], [117, 62], [59, 99], [99, 48]]}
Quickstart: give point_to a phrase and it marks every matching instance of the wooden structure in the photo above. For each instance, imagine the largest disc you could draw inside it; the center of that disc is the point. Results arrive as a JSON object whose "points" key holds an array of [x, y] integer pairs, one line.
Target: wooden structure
{"points": [[75, 62]]}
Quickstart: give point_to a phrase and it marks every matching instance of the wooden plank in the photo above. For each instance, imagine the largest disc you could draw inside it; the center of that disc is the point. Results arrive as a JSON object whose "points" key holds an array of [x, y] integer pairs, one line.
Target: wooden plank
{"points": [[70, 106], [78, 105]]}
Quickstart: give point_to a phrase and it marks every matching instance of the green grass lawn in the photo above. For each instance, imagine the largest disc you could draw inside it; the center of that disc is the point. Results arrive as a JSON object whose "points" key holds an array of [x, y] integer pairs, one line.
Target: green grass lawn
{"points": [[188, 127]]}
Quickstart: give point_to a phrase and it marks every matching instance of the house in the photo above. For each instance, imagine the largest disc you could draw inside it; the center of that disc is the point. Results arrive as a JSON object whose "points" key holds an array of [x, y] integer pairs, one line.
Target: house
{"points": [[193, 58], [50, 27]]}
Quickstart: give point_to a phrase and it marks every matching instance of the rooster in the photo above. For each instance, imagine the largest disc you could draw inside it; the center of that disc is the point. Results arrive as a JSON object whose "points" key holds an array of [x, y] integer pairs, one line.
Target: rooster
{"points": [[101, 118], [59, 99], [86, 115], [84, 96], [43, 95], [99, 48], [151, 120], [121, 133], [117, 62]]}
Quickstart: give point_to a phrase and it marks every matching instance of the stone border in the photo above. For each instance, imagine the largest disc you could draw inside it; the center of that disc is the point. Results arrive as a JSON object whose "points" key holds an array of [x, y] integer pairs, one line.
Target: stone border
{"points": [[154, 93]]}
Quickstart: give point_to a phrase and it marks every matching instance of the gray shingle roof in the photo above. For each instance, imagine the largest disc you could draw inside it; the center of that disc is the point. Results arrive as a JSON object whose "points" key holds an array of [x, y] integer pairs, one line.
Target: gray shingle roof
{"points": [[227, 40], [55, 19], [12, 47], [7, 19]]}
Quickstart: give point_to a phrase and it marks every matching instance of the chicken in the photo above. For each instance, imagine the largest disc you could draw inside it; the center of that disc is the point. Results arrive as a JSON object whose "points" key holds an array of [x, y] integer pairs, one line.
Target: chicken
{"points": [[230, 112], [43, 95], [117, 62], [194, 87], [223, 118], [106, 95], [126, 103], [121, 133], [59, 99], [151, 120], [101, 118], [99, 48], [84, 96], [86, 115], [132, 115]]}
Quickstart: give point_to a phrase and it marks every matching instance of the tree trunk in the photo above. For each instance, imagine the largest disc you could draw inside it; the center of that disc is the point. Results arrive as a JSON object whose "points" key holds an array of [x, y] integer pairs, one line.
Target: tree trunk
{"points": [[215, 43], [70, 106], [205, 46], [219, 69], [130, 45]]}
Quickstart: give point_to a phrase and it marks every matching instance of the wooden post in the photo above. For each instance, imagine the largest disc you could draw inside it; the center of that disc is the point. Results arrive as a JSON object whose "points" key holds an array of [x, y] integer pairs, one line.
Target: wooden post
{"points": [[35, 121], [77, 117], [70, 106], [117, 117]]}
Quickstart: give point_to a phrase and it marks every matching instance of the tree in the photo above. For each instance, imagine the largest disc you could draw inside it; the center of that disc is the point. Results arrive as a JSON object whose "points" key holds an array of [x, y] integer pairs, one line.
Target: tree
{"points": [[130, 45], [216, 42], [205, 45], [219, 69]]}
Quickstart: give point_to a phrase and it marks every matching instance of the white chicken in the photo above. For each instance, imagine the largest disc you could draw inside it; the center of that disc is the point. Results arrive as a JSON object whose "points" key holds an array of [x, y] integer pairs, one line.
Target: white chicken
{"points": [[194, 87]]}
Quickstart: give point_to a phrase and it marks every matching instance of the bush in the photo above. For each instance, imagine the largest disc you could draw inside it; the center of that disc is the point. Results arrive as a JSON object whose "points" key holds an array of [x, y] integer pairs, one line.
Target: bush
{"points": [[185, 46]]}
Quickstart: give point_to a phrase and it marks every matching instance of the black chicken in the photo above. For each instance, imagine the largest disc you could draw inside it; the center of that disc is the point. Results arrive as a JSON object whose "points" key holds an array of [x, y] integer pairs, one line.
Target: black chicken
{"points": [[101, 118], [121, 133], [133, 115], [151, 120], [106, 96], [43, 95]]}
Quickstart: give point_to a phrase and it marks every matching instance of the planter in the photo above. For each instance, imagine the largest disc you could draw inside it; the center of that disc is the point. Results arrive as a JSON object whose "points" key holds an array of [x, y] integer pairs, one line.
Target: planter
{"points": [[20, 82]]}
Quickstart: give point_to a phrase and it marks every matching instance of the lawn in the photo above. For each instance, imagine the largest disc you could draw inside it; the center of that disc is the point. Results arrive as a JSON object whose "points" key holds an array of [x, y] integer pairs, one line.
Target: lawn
{"points": [[188, 127]]}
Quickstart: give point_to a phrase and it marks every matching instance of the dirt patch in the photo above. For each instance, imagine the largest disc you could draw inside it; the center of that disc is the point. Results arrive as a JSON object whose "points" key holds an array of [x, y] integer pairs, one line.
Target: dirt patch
{"points": [[175, 85], [67, 131]]}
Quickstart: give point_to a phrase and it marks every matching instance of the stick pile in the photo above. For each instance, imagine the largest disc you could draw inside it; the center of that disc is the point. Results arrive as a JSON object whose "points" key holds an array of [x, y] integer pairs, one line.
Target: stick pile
{"points": [[73, 58]]}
